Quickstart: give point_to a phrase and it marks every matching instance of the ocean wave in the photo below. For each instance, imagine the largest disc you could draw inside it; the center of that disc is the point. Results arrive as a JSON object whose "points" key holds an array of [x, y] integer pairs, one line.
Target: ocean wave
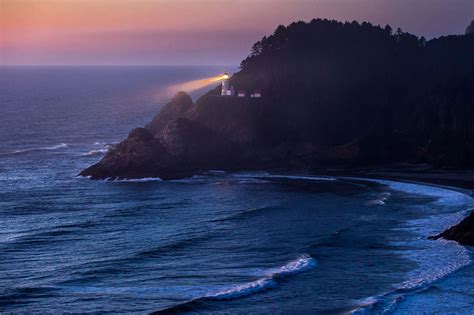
{"points": [[253, 181], [55, 147], [191, 180], [298, 177], [172, 247], [105, 148], [243, 290], [242, 214], [95, 152], [444, 196], [133, 180], [303, 263], [435, 259], [48, 148], [430, 270], [269, 280], [380, 200]]}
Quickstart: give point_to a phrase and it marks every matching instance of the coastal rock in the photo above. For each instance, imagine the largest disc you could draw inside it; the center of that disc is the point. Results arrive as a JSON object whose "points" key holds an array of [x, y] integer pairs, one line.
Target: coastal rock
{"points": [[180, 104], [235, 118], [191, 143], [170, 147], [323, 104], [463, 233], [140, 155]]}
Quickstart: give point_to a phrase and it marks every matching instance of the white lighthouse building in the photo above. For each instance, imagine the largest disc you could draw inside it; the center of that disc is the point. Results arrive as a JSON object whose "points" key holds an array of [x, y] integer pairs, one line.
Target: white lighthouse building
{"points": [[226, 88]]}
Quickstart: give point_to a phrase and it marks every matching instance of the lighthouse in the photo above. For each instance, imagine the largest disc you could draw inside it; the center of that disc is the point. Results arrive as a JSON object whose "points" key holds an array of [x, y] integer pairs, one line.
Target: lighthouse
{"points": [[226, 89]]}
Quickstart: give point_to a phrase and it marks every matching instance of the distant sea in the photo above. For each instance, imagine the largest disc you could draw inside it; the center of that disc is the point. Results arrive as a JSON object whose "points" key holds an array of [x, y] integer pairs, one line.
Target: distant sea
{"points": [[248, 242]]}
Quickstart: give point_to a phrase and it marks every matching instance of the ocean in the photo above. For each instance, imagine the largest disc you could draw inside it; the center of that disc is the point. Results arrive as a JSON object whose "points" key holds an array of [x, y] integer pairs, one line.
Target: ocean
{"points": [[221, 243]]}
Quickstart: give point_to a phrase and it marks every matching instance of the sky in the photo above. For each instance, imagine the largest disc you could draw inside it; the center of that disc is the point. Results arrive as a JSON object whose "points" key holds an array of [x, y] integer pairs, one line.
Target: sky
{"points": [[190, 32]]}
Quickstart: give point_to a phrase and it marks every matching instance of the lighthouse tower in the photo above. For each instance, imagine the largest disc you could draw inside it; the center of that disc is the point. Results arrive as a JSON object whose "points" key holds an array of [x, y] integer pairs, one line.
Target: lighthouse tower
{"points": [[226, 89]]}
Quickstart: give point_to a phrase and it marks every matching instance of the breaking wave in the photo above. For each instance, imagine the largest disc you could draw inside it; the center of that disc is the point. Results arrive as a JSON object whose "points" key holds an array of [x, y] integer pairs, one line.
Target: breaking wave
{"points": [[95, 152], [133, 180], [269, 280], [105, 148], [48, 148], [380, 200], [444, 196], [243, 290], [310, 178], [435, 259]]}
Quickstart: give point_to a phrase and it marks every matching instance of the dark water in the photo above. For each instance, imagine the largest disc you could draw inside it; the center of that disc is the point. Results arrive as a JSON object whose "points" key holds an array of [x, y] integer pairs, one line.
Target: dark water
{"points": [[219, 243]]}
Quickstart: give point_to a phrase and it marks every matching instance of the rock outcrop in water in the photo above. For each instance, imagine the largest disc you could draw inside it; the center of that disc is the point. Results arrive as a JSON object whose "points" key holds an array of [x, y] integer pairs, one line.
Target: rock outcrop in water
{"points": [[177, 143], [463, 233], [140, 155], [334, 94]]}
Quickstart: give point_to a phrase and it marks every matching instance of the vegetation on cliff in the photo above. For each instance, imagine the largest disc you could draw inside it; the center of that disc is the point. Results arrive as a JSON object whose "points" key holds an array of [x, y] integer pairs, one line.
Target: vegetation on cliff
{"points": [[333, 93], [397, 96], [470, 28]]}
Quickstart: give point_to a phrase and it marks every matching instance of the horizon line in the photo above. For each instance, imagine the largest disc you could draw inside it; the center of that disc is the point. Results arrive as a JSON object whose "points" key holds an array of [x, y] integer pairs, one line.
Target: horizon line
{"points": [[119, 65]]}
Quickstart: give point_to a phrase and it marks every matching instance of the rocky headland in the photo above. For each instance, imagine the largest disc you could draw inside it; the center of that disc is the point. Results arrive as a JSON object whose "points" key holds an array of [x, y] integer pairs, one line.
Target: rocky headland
{"points": [[333, 95]]}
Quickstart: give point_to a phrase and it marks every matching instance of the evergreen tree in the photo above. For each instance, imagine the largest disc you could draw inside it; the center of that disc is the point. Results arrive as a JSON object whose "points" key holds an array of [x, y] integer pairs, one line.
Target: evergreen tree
{"points": [[470, 28]]}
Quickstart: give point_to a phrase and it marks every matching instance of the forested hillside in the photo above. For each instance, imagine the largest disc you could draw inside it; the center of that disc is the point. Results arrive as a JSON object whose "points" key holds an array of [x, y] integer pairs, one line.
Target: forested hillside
{"points": [[398, 96], [334, 94]]}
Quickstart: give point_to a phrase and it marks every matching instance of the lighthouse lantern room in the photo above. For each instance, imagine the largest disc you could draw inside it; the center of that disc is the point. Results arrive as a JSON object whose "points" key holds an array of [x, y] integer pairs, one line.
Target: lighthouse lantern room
{"points": [[226, 88]]}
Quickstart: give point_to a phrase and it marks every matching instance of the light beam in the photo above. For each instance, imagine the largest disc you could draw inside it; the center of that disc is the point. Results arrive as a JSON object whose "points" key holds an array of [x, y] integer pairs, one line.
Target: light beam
{"points": [[194, 85]]}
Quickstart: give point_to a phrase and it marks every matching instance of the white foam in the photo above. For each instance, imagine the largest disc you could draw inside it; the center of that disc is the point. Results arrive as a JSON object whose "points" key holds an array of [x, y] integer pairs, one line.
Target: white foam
{"points": [[444, 196], [444, 257], [105, 148], [312, 178], [252, 181], [380, 201], [376, 202], [269, 280], [303, 263], [260, 175], [95, 152], [435, 259], [49, 148], [55, 147], [243, 289], [134, 180]]}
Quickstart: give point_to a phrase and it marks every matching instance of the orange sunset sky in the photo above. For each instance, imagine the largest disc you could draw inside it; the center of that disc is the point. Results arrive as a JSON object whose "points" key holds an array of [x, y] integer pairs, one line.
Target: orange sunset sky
{"points": [[220, 32]]}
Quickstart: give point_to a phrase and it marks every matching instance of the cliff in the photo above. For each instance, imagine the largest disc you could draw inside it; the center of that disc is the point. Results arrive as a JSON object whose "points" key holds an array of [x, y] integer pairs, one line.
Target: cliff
{"points": [[334, 94], [181, 140]]}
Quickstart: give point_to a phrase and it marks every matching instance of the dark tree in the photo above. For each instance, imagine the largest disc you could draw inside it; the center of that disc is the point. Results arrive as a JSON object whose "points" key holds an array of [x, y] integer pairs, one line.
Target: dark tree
{"points": [[470, 28], [396, 95]]}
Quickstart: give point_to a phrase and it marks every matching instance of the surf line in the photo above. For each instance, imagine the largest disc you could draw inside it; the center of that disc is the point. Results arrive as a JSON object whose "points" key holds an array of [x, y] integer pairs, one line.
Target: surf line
{"points": [[268, 281]]}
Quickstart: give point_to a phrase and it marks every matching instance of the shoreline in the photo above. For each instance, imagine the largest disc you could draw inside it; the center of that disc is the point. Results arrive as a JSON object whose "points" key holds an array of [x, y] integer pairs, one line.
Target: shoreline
{"points": [[463, 180], [461, 232]]}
